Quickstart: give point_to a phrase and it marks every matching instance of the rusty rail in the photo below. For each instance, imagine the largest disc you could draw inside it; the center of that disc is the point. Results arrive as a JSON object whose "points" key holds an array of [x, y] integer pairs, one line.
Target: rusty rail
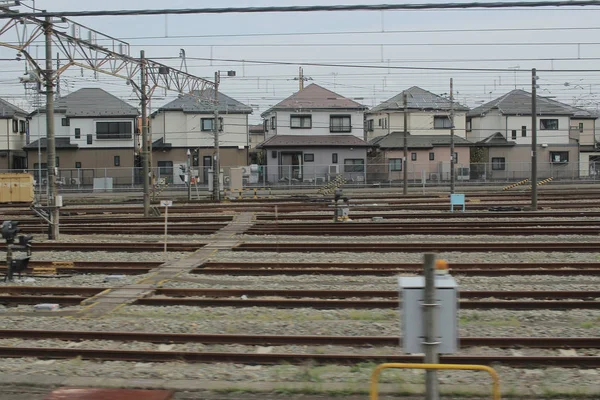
{"points": [[124, 247]]}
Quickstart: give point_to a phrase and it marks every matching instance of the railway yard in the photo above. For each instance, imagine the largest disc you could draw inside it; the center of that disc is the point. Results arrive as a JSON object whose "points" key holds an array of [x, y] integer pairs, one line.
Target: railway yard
{"points": [[270, 295]]}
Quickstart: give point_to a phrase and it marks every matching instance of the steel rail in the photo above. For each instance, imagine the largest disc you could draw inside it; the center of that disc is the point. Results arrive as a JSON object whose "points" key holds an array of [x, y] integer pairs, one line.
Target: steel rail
{"points": [[253, 358], [53, 290], [125, 246], [64, 300], [279, 340], [428, 224], [400, 231], [362, 294], [446, 215], [124, 230], [363, 304], [418, 247]]}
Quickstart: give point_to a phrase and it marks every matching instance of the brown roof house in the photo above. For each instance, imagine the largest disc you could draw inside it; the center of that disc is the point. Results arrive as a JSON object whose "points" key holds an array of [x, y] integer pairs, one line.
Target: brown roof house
{"points": [[314, 135], [13, 136], [95, 138]]}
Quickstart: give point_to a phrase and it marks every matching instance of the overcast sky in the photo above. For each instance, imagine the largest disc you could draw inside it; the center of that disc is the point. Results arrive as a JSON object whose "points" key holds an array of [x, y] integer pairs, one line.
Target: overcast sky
{"points": [[376, 39]]}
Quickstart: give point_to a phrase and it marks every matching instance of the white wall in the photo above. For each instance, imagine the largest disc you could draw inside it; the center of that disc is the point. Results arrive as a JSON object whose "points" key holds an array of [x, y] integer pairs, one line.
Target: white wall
{"points": [[320, 123], [184, 130], [37, 129], [10, 140], [419, 123]]}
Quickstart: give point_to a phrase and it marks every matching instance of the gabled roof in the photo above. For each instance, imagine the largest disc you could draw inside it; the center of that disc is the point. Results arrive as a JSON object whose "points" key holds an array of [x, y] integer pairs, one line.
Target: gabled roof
{"points": [[314, 97], [92, 102], [202, 105], [258, 129], [496, 139], [160, 144], [518, 102], [395, 140], [60, 143], [313, 141], [8, 110], [419, 99]]}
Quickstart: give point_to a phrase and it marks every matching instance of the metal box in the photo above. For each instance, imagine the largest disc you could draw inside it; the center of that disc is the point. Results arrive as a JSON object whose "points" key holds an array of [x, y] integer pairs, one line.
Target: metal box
{"points": [[412, 291], [16, 188]]}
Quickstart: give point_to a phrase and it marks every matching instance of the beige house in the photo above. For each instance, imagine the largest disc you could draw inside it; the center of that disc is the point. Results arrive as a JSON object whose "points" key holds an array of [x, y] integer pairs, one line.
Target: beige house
{"points": [[13, 136], [428, 157], [427, 114]]}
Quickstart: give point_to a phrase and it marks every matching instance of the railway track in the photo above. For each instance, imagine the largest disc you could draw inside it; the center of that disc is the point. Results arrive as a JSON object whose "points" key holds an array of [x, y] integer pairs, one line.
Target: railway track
{"points": [[91, 267], [272, 358], [136, 229], [387, 269], [418, 247], [125, 246], [281, 340]]}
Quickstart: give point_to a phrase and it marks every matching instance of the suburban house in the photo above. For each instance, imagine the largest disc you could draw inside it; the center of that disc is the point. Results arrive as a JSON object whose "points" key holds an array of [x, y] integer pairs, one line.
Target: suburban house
{"points": [[501, 133], [256, 135], [314, 135], [427, 114], [583, 129], [428, 157], [94, 131], [186, 123], [13, 134]]}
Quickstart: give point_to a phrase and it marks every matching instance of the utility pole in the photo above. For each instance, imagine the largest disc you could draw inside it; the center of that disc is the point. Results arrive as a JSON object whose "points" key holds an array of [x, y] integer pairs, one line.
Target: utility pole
{"points": [[50, 142], [430, 330], [533, 141], [144, 149], [57, 76], [405, 161], [300, 78], [216, 162], [452, 160]]}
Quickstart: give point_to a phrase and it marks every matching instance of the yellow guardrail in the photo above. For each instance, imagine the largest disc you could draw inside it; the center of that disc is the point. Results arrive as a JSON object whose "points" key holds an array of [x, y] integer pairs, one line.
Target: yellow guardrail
{"points": [[524, 181], [540, 183], [374, 395]]}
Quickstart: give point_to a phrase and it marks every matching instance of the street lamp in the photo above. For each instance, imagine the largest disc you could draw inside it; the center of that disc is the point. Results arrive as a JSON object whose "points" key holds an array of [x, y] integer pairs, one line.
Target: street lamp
{"points": [[216, 128]]}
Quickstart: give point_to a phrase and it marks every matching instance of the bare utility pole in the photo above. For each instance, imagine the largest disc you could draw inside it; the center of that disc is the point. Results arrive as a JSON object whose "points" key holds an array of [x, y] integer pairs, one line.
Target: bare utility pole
{"points": [[300, 78], [452, 160], [50, 142], [216, 161], [405, 161], [533, 141], [144, 149], [430, 319], [57, 76]]}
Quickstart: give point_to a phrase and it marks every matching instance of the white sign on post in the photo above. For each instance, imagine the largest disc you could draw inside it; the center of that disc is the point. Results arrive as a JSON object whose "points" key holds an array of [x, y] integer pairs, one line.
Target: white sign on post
{"points": [[166, 204]]}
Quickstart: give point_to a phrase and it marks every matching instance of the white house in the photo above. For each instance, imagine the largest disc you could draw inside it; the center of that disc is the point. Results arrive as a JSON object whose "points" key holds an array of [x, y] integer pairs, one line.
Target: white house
{"points": [[94, 130], [427, 114], [314, 135], [186, 123], [13, 136]]}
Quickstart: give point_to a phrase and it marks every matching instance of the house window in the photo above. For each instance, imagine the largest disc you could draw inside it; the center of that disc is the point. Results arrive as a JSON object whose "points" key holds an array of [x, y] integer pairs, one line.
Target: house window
{"points": [[301, 121], [21, 126], [559, 157], [77, 164], [469, 125], [581, 127], [77, 133], [413, 156], [309, 157], [195, 158], [441, 122], [334, 158], [549, 124], [117, 161], [523, 131], [265, 125], [431, 156], [498, 163], [455, 157], [15, 126], [370, 125], [113, 130], [514, 134], [340, 123], [354, 165], [90, 139], [57, 161], [395, 164], [379, 121], [273, 122], [65, 122], [207, 124]]}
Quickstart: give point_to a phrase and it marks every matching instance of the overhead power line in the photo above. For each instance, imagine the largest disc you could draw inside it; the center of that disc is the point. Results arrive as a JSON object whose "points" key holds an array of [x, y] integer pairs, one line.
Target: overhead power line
{"points": [[285, 9]]}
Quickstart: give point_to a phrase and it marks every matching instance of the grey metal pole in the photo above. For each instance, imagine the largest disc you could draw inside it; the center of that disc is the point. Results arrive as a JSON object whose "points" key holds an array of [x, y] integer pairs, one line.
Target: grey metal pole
{"points": [[216, 163], [144, 149], [189, 175], [533, 141], [50, 142], [405, 166], [452, 160], [430, 327]]}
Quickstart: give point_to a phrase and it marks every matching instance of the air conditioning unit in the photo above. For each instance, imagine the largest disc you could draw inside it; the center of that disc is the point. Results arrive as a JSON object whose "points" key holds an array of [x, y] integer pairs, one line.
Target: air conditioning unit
{"points": [[334, 169], [45, 181], [74, 181], [246, 170]]}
